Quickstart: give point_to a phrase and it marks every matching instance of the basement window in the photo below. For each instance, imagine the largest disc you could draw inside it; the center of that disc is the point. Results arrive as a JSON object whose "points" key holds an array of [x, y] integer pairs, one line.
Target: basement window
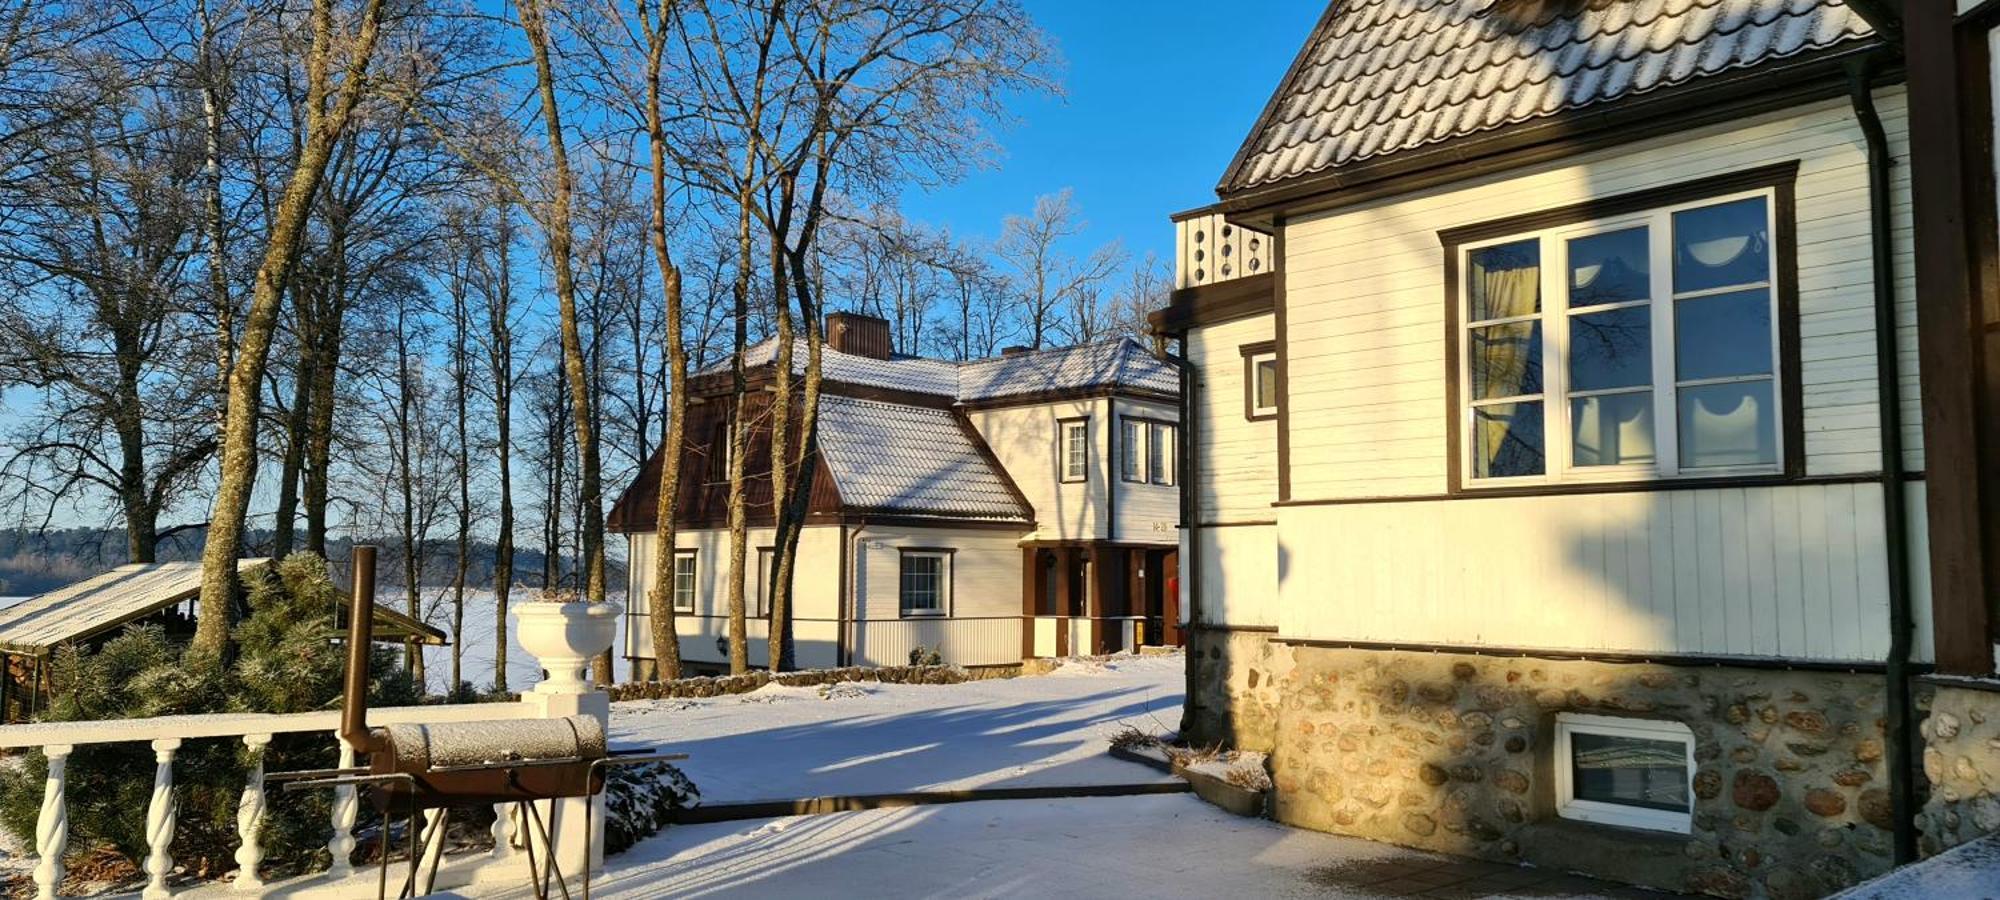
{"points": [[1637, 773]]}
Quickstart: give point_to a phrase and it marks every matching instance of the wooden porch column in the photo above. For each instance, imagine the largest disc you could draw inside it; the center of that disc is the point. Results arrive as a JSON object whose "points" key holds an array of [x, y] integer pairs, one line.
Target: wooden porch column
{"points": [[1955, 340], [1107, 569], [1031, 580]]}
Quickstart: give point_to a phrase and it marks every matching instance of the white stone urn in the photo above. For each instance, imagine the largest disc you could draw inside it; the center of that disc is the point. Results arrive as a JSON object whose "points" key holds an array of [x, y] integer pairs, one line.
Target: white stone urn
{"points": [[564, 636]]}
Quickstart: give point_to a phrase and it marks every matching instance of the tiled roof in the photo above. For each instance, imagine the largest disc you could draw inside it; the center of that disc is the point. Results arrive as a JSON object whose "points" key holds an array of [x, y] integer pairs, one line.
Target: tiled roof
{"points": [[910, 460], [1120, 362], [1116, 363], [1382, 76]]}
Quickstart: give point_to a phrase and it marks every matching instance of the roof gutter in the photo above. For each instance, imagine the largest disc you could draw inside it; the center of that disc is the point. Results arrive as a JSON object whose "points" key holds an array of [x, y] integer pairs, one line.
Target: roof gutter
{"points": [[1900, 736]]}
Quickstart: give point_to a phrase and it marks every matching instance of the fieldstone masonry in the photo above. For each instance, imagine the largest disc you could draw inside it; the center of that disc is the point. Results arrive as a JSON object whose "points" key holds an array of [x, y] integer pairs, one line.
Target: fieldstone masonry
{"points": [[1962, 763], [1450, 752]]}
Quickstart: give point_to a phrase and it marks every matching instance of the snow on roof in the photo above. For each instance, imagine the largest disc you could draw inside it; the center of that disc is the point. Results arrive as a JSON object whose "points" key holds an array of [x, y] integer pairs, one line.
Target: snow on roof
{"points": [[129, 592], [1119, 363], [1381, 76], [912, 460]]}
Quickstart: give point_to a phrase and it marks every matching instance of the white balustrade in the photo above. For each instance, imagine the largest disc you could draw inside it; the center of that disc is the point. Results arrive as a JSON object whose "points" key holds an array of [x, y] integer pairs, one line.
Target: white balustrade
{"points": [[503, 831], [52, 829], [250, 817], [346, 805], [161, 816]]}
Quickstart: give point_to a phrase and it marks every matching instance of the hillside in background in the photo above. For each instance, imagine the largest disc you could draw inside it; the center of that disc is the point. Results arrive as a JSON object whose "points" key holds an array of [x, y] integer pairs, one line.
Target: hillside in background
{"points": [[32, 562]]}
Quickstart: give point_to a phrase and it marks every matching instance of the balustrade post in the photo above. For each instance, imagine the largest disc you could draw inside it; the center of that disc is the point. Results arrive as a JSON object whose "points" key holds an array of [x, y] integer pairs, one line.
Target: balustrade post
{"points": [[161, 815], [250, 817], [52, 829], [503, 832], [345, 807]]}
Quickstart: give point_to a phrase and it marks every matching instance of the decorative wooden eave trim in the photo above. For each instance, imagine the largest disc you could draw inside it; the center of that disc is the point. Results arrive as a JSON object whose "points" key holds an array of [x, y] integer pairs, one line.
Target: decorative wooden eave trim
{"points": [[1776, 85], [1216, 303]]}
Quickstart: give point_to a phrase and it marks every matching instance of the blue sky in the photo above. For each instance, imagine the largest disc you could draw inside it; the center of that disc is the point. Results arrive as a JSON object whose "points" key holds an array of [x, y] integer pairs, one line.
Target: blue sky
{"points": [[1157, 97]]}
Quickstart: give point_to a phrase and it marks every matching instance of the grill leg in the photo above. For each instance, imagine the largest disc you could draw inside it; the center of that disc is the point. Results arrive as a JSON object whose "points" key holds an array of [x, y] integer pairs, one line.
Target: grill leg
{"points": [[549, 844]]}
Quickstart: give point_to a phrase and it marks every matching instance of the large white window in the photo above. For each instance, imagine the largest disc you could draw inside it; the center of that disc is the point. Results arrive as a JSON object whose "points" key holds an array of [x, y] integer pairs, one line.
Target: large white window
{"points": [[1075, 449], [926, 583], [1638, 773], [686, 568], [1635, 347]]}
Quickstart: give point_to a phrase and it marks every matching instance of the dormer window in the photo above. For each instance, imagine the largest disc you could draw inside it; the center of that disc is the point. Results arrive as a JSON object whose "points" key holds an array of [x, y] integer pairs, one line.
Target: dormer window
{"points": [[1074, 461]]}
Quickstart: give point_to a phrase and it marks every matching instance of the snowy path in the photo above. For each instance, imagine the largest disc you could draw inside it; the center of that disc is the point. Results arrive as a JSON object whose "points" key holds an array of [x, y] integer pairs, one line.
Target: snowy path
{"points": [[1161, 846], [785, 743]]}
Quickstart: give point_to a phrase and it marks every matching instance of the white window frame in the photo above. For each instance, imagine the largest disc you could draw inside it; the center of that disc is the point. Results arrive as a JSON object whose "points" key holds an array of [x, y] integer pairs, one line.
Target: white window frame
{"points": [[1068, 431], [1257, 361], [694, 581], [1569, 806], [943, 609], [767, 576], [1163, 439], [1558, 464], [1132, 446]]}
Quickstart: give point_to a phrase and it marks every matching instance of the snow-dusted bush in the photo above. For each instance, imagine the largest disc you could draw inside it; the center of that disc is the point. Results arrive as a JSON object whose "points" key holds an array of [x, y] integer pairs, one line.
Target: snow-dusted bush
{"points": [[286, 661], [640, 800], [925, 656]]}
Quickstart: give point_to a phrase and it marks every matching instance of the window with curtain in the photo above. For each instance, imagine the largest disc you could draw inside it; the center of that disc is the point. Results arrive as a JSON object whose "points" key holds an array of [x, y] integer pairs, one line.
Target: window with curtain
{"points": [[1641, 346], [1161, 446]]}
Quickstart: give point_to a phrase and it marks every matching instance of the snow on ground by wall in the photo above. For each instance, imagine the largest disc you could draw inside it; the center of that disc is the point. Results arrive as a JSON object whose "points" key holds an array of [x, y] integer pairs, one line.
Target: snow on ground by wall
{"points": [[1969, 870], [1152, 846], [782, 743]]}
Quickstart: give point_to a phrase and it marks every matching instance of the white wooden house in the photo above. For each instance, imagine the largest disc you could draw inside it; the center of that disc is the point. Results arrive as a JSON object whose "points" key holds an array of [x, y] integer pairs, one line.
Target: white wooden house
{"points": [[989, 511], [1546, 505]]}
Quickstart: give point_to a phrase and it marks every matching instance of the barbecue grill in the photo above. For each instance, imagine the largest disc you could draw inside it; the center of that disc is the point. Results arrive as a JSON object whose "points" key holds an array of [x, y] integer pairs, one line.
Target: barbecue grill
{"points": [[438, 766]]}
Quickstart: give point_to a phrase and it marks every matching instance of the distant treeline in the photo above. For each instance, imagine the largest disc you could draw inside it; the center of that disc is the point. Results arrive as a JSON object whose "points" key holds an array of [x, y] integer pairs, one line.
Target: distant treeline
{"points": [[32, 562]]}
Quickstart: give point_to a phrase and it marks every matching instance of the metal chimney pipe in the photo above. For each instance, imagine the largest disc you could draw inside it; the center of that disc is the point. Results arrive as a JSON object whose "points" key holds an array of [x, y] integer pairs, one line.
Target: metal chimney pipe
{"points": [[360, 640]]}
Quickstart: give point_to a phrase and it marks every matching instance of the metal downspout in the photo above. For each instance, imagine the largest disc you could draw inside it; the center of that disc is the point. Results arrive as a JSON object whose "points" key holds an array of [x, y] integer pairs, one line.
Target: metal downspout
{"points": [[1888, 377], [1188, 478]]}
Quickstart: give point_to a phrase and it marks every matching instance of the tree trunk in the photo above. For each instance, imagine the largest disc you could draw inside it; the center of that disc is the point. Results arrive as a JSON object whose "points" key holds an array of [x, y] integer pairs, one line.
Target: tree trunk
{"points": [[501, 359], [534, 22], [297, 423], [665, 631], [324, 125], [460, 376]]}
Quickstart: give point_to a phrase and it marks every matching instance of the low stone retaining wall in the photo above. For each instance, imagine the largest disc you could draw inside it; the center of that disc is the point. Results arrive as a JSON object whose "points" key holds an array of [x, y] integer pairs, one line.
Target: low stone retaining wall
{"points": [[1961, 762], [1452, 752], [721, 685]]}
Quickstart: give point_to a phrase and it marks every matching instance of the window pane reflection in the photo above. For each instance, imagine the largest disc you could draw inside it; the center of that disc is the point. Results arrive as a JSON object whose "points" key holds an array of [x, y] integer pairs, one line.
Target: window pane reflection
{"points": [[1610, 268], [1629, 771], [1723, 336], [1722, 245], [1728, 425], [1504, 281], [1506, 360], [1507, 440], [1611, 349], [1612, 429]]}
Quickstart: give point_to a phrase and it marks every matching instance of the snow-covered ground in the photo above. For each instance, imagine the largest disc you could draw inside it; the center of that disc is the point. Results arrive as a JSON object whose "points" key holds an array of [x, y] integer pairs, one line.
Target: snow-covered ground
{"points": [[784, 743], [1970, 870], [1154, 846]]}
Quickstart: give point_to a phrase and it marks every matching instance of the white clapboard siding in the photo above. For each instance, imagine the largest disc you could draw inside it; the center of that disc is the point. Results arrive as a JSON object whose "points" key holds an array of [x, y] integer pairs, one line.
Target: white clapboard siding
{"points": [[816, 595], [1237, 458], [1797, 571], [1365, 302], [986, 569], [1239, 576], [1028, 444]]}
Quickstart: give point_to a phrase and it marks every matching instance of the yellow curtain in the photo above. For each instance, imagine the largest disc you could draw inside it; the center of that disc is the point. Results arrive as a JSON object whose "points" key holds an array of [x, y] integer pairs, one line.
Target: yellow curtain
{"points": [[1504, 282]]}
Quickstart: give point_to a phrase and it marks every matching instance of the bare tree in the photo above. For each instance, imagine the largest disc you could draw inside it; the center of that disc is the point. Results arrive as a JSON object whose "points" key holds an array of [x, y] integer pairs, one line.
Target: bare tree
{"points": [[330, 105], [1049, 283]]}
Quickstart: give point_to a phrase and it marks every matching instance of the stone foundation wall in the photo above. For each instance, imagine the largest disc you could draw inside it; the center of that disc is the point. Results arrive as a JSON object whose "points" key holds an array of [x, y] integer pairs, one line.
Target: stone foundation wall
{"points": [[1962, 763], [1233, 688], [1451, 752]]}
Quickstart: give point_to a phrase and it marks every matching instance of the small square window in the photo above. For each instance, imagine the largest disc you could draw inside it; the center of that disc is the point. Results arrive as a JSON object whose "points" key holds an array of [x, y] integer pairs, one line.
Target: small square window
{"points": [[1637, 773], [1075, 449], [925, 583], [1262, 376]]}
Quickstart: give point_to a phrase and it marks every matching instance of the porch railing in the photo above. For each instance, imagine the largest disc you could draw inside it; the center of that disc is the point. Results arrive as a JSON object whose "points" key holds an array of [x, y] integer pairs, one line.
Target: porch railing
{"points": [[57, 740], [1208, 249]]}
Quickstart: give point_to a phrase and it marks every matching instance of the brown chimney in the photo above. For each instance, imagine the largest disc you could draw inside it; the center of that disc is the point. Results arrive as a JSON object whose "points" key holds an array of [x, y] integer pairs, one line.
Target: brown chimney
{"points": [[1015, 351], [859, 335]]}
